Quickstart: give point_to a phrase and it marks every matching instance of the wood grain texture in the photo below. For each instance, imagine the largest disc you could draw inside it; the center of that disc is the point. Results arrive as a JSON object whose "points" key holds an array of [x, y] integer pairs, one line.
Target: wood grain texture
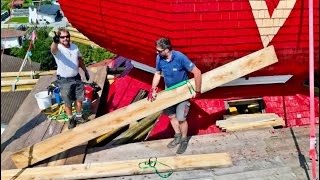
{"points": [[142, 108], [120, 168]]}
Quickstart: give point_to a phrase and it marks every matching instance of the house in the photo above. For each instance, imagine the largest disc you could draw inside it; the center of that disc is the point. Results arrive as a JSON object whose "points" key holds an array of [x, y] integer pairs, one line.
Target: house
{"points": [[11, 101], [36, 2], [47, 14], [11, 38]]}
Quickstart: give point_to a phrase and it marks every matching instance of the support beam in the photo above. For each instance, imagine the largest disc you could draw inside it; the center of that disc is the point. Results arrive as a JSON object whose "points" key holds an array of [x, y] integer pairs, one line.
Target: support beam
{"points": [[142, 108], [27, 73], [120, 168], [20, 82]]}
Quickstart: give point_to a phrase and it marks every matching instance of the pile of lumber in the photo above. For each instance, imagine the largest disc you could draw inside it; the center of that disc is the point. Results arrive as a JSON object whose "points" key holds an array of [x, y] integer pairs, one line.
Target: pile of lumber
{"points": [[249, 121], [23, 81]]}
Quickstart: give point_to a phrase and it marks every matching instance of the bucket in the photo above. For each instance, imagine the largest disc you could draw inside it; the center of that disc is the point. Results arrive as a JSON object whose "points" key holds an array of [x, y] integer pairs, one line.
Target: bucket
{"points": [[56, 93], [88, 93], [43, 99]]}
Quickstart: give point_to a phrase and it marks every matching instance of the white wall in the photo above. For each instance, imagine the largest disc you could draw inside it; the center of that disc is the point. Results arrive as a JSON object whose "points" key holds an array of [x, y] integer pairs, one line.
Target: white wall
{"points": [[42, 18], [10, 42]]}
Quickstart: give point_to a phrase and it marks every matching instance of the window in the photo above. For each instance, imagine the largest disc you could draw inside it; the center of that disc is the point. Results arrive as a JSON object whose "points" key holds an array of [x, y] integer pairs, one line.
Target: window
{"points": [[245, 106]]}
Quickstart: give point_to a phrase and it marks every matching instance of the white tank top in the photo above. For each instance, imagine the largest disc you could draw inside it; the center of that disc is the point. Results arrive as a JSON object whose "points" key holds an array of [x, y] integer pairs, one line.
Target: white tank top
{"points": [[67, 60]]}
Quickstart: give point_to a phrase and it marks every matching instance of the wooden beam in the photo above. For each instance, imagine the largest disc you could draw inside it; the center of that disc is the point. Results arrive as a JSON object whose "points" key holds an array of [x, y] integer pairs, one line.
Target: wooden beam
{"points": [[142, 108], [20, 82], [27, 73], [120, 168], [27, 87]]}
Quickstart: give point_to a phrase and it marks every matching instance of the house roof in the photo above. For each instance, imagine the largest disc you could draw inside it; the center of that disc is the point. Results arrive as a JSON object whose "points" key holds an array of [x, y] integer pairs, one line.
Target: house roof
{"points": [[17, 2], [6, 33], [10, 103], [12, 64], [49, 9]]}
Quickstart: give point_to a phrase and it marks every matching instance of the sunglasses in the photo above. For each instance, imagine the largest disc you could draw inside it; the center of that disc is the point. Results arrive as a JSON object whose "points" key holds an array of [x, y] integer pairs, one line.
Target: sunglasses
{"points": [[160, 51], [62, 37]]}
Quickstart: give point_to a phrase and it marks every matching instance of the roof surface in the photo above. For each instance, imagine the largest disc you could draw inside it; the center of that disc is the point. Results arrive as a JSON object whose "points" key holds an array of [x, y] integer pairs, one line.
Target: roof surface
{"points": [[10, 103], [12, 33], [12, 64], [49, 9]]}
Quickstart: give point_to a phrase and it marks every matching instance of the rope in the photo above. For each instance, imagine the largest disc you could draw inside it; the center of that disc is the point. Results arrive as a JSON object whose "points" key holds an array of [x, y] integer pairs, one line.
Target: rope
{"points": [[28, 54], [190, 87], [151, 163]]}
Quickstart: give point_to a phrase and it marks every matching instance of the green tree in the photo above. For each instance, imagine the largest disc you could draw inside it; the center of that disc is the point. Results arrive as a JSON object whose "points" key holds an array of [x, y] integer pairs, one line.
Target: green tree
{"points": [[91, 55], [41, 52]]}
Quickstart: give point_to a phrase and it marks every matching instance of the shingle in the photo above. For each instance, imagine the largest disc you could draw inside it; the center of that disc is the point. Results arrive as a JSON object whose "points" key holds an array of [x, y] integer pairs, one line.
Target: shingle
{"points": [[12, 33], [10, 103], [49, 9], [12, 64]]}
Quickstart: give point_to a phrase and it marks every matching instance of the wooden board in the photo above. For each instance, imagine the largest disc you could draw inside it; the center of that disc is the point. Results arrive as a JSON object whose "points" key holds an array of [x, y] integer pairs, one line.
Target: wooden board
{"points": [[256, 154], [142, 108], [27, 73], [120, 168]]}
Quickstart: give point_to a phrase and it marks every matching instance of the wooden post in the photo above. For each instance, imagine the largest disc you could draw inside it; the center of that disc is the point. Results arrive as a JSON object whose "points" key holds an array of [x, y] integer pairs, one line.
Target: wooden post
{"points": [[120, 168], [142, 108]]}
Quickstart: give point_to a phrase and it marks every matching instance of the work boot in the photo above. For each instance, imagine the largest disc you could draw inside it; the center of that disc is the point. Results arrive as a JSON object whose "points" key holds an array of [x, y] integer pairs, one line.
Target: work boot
{"points": [[80, 120], [175, 141], [183, 145], [72, 123]]}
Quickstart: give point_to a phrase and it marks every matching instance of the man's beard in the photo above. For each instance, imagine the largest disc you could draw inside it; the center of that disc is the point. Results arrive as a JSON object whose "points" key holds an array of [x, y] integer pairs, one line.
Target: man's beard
{"points": [[163, 56]]}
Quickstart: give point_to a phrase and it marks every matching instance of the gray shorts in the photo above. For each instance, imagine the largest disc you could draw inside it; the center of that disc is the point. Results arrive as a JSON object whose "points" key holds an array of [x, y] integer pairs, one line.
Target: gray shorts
{"points": [[71, 89], [180, 110]]}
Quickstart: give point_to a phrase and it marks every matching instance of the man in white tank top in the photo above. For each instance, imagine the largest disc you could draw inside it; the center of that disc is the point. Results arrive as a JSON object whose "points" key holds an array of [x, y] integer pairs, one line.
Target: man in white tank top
{"points": [[68, 59]]}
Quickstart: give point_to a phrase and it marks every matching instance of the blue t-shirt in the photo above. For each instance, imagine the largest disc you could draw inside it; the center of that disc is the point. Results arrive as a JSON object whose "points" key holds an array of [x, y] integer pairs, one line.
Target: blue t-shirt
{"points": [[176, 70]]}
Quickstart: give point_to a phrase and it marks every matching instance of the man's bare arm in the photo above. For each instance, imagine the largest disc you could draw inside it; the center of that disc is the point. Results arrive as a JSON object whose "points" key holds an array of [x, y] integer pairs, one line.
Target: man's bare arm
{"points": [[156, 79], [81, 64], [197, 78]]}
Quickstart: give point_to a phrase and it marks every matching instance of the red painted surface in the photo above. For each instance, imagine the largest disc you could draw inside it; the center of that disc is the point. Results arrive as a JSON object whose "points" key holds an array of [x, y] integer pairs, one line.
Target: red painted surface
{"points": [[290, 101], [210, 32]]}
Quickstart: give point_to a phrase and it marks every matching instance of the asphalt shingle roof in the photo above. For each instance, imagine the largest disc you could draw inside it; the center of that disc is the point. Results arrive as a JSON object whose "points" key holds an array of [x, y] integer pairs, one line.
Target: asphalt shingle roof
{"points": [[10, 103], [12, 64], [12, 33], [49, 9]]}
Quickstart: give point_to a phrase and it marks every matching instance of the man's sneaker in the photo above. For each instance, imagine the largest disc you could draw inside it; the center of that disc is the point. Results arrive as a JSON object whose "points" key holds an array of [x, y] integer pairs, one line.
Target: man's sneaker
{"points": [[80, 120], [183, 145], [72, 123], [175, 141]]}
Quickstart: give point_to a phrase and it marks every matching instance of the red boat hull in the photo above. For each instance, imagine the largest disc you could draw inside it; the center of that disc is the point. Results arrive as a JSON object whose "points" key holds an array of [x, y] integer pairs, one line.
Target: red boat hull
{"points": [[210, 32]]}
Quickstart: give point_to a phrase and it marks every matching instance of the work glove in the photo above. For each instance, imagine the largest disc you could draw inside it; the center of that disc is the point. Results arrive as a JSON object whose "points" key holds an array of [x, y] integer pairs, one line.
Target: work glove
{"points": [[152, 94], [86, 73], [56, 38], [196, 94]]}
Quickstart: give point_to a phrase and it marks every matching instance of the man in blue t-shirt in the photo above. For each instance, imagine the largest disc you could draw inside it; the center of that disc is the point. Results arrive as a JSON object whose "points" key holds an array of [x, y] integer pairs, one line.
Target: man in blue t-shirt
{"points": [[174, 66]]}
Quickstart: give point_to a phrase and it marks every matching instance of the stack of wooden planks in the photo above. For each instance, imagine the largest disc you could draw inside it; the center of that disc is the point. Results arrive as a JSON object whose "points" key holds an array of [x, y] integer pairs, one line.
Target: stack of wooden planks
{"points": [[26, 80], [249, 121]]}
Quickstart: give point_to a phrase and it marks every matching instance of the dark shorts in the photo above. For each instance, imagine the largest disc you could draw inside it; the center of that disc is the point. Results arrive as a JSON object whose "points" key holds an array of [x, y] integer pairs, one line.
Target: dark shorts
{"points": [[71, 89], [181, 110]]}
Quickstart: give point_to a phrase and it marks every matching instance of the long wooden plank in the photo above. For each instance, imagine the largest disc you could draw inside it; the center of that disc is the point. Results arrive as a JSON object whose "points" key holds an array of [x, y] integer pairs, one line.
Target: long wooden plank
{"points": [[20, 82], [27, 73], [142, 108], [273, 123], [246, 120], [120, 168], [230, 117]]}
